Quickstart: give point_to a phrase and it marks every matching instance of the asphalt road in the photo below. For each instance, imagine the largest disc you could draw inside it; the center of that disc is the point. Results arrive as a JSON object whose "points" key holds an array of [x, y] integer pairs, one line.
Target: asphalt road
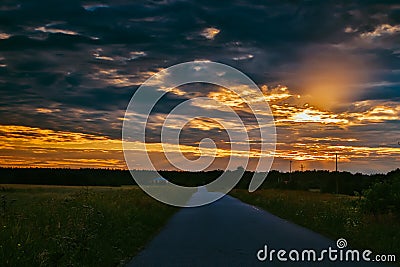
{"points": [[229, 232]]}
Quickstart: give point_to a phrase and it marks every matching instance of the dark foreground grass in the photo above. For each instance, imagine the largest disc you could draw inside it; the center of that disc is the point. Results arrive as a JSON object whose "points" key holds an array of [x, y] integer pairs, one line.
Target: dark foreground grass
{"points": [[335, 216], [67, 226]]}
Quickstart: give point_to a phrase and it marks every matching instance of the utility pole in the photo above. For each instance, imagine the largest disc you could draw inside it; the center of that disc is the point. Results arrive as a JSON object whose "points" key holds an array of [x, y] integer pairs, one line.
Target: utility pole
{"points": [[302, 167], [290, 166], [336, 174], [336, 163]]}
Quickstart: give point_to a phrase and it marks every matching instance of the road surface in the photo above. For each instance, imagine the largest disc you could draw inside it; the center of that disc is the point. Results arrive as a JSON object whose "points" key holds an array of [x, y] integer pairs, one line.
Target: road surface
{"points": [[229, 232]]}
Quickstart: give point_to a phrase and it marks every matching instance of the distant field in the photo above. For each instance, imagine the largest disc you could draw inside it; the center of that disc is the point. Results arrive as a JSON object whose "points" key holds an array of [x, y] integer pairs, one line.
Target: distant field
{"points": [[335, 216], [76, 226]]}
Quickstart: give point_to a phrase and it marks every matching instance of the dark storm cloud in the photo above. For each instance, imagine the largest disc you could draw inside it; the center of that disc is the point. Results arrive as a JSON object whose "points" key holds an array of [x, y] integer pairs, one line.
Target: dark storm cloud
{"points": [[85, 61]]}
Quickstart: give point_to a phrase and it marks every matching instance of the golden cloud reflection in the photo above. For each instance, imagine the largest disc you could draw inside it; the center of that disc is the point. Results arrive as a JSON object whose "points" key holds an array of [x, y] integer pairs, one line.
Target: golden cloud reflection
{"points": [[210, 33], [27, 146], [380, 114]]}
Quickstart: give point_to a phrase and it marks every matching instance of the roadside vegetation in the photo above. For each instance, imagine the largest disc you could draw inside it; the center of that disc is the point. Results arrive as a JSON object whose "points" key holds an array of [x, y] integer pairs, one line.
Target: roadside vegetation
{"points": [[110, 221], [335, 216], [76, 226]]}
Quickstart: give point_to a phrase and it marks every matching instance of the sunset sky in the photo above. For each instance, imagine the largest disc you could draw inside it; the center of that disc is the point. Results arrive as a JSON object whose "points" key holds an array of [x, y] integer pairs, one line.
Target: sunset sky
{"points": [[330, 71]]}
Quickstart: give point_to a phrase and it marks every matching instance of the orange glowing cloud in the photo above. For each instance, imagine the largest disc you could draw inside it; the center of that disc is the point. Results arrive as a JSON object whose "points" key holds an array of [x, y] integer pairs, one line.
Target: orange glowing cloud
{"points": [[23, 146], [306, 133]]}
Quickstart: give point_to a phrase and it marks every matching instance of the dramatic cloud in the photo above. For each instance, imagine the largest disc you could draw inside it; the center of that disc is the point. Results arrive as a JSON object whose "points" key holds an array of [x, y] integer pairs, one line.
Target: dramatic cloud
{"points": [[330, 72]]}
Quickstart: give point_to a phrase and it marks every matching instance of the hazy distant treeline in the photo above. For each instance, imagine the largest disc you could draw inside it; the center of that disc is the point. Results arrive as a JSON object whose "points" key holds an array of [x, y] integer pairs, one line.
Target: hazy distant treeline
{"points": [[324, 181]]}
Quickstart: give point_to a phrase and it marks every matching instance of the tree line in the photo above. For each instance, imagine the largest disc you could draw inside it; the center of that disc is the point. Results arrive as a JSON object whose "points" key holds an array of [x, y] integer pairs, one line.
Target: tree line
{"points": [[319, 180]]}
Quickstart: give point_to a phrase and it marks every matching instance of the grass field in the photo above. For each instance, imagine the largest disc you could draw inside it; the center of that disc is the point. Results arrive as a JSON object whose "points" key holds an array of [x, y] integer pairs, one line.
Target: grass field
{"points": [[76, 226], [335, 216]]}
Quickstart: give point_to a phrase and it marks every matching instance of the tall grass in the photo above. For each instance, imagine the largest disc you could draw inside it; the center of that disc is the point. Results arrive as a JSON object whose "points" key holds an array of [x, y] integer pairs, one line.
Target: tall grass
{"points": [[334, 216], [49, 226]]}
